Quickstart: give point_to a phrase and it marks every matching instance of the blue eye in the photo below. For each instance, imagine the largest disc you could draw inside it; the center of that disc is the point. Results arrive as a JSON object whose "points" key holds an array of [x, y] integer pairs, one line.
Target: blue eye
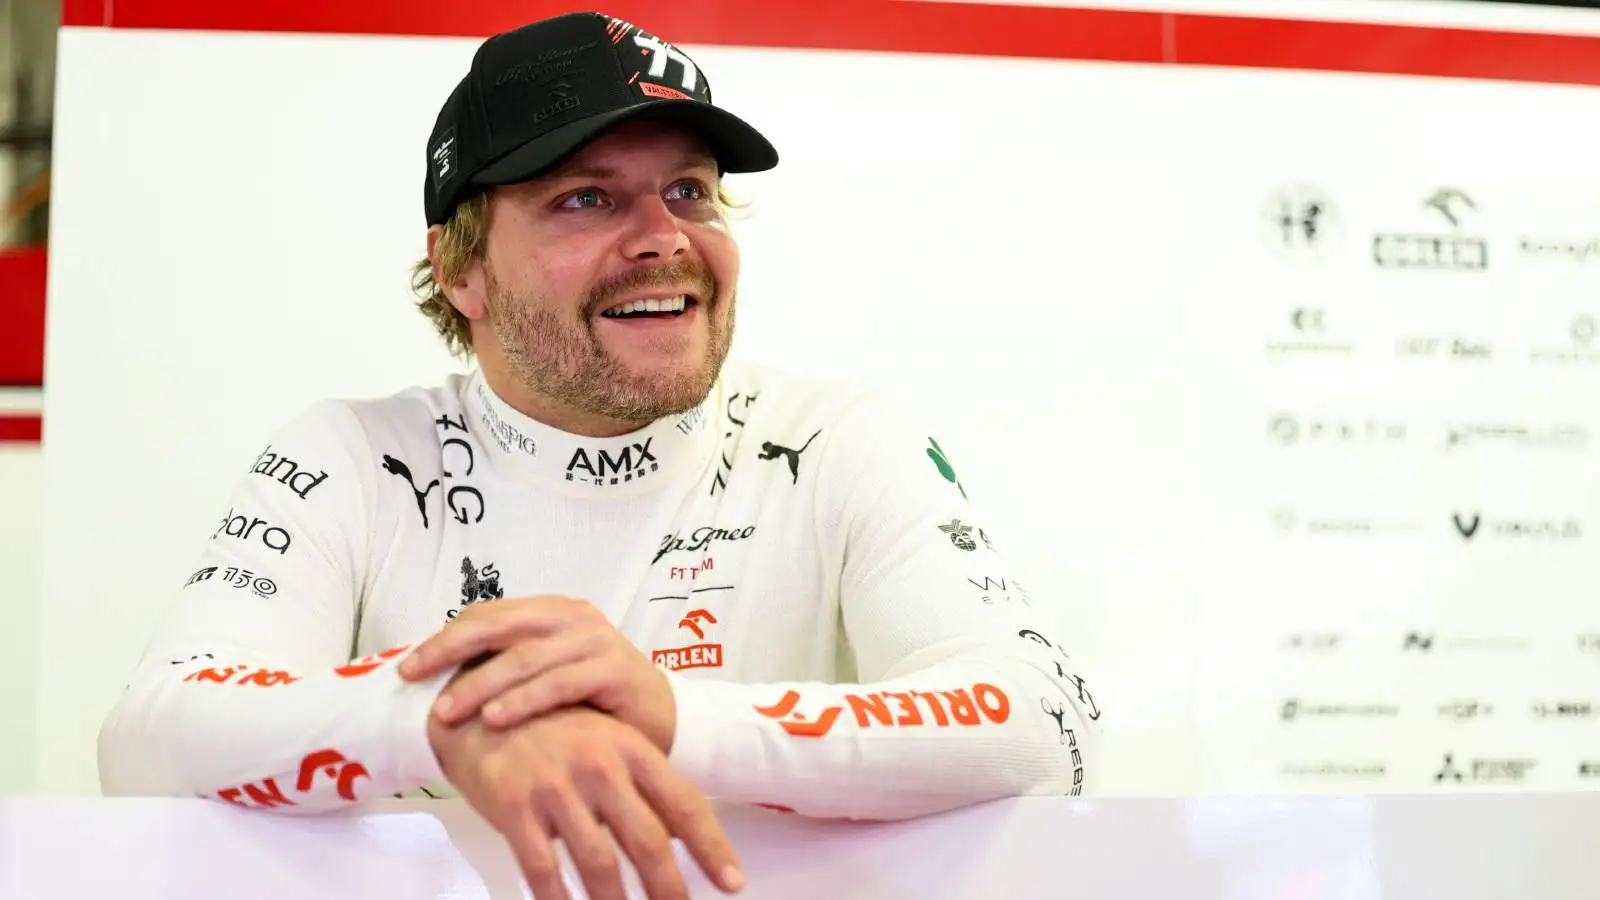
{"points": [[585, 194], [696, 191]]}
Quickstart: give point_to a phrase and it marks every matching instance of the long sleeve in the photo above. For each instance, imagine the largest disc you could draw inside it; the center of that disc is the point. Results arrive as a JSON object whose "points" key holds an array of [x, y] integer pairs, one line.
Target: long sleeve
{"points": [[247, 691], [966, 691]]}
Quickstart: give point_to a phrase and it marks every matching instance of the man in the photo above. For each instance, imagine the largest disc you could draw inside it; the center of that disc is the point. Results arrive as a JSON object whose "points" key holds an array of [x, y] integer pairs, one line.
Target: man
{"points": [[605, 574]]}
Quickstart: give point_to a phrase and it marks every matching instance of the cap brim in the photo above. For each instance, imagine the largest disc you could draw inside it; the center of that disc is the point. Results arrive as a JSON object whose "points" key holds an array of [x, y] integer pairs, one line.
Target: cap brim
{"points": [[737, 145]]}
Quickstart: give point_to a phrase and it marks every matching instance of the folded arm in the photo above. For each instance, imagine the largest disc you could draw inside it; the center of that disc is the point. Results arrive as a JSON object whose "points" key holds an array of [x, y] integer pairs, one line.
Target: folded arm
{"points": [[967, 692], [247, 691]]}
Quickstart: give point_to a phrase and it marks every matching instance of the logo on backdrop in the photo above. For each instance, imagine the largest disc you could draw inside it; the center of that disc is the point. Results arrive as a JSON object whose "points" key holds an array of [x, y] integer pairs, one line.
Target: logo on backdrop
{"points": [[1336, 769], [1437, 347], [1447, 246], [1462, 710], [1287, 520], [1472, 525], [1577, 349], [1288, 429], [1312, 641], [1483, 770], [1429, 641], [1510, 434], [1562, 250], [1300, 224], [1566, 709], [1295, 708], [1307, 334]]}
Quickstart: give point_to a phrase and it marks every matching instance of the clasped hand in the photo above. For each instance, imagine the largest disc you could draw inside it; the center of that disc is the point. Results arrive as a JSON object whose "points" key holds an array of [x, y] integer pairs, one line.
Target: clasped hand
{"points": [[541, 654], [562, 728]]}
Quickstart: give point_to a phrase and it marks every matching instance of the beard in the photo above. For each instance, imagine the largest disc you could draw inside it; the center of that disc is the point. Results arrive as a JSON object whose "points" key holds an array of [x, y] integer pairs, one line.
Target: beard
{"points": [[556, 353]]}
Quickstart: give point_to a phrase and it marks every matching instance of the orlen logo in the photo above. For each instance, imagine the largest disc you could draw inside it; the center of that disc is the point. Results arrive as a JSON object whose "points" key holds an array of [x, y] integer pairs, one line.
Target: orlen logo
{"points": [[369, 662], [696, 656], [331, 763], [984, 703]]}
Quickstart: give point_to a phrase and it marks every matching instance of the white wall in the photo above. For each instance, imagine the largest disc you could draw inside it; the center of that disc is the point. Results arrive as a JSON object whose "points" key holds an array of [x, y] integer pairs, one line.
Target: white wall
{"points": [[20, 545], [1069, 261]]}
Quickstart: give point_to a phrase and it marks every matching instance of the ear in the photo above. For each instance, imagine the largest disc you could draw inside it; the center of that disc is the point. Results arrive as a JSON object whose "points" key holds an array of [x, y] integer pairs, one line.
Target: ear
{"points": [[467, 292]]}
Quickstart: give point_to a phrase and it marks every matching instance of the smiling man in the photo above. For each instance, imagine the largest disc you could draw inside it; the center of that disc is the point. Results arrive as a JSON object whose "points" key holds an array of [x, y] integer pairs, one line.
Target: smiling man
{"points": [[609, 573]]}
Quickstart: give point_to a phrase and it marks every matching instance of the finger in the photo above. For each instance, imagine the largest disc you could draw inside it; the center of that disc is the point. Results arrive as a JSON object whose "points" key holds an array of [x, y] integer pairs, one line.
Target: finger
{"points": [[644, 838], [505, 671], [590, 848], [587, 680], [535, 856], [688, 815], [488, 632]]}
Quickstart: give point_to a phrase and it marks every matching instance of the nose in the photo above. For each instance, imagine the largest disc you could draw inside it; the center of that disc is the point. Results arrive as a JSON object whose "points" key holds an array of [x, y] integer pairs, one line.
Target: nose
{"points": [[654, 232]]}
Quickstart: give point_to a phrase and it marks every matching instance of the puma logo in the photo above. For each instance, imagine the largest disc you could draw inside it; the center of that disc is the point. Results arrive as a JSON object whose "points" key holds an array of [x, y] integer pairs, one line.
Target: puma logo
{"points": [[770, 451], [396, 467]]}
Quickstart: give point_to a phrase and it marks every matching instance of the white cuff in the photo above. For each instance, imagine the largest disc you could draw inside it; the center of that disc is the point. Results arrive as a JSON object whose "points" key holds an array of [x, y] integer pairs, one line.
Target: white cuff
{"points": [[414, 760], [694, 740]]}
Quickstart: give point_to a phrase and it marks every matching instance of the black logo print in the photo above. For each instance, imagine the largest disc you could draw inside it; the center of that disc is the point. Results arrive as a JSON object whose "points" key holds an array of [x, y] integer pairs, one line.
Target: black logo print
{"points": [[184, 662], [396, 467], [465, 512], [477, 585], [960, 535], [725, 465], [1084, 696], [1448, 770], [1060, 715], [770, 451], [1076, 681], [603, 469], [1068, 739], [1038, 638]]}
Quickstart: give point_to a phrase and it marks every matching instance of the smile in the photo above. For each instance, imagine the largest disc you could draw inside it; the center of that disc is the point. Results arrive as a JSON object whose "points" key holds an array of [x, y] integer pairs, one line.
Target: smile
{"points": [[666, 307]]}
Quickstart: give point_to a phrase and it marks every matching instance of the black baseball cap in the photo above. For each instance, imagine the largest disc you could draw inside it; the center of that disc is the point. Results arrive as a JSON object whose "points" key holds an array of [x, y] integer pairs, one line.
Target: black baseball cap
{"points": [[536, 94]]}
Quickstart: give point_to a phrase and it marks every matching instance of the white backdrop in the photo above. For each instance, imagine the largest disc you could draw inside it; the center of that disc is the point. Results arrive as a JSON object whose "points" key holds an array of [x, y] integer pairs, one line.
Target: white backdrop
{"points": [[1078, 268]]}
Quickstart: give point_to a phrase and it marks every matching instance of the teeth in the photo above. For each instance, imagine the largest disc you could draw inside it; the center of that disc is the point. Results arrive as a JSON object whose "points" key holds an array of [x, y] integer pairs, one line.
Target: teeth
{"points": [[671, 304]]}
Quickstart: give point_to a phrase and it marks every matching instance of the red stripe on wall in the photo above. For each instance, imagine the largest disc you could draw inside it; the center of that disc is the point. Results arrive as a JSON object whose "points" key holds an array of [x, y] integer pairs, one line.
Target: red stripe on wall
{"points": [[22, 289], [923, 27], [85, 13], [881, 25], [20, 429], [1386, 49]]}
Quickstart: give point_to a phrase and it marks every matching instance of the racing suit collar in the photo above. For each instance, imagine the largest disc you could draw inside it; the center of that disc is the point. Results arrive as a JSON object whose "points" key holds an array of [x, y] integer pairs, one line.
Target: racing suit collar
{"points": [[599, 467]]}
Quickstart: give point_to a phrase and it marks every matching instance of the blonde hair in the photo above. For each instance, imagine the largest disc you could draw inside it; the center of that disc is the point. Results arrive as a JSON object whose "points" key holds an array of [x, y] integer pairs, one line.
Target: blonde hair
{"points": [[463, 241]]}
